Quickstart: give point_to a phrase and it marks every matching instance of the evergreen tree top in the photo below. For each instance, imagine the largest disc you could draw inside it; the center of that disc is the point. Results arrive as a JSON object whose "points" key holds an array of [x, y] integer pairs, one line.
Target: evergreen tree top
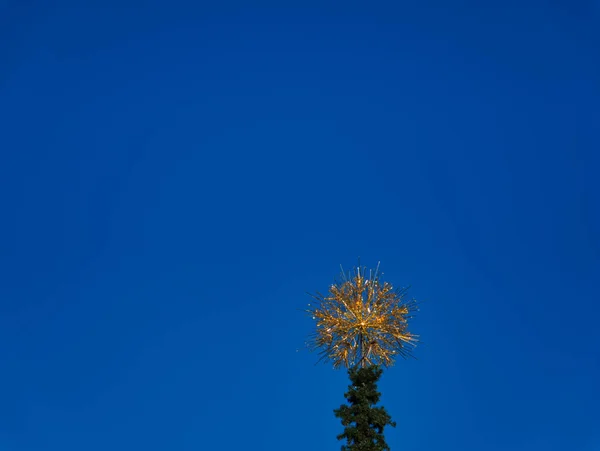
{"points": [[363, 422]]}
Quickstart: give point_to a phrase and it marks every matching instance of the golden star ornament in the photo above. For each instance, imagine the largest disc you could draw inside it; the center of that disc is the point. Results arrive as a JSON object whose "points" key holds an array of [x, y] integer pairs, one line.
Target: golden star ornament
{"points": [[362, 321]]}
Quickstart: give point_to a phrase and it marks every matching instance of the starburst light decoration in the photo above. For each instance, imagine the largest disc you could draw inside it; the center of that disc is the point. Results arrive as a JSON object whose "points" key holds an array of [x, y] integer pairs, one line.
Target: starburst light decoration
{"points": [[362, 321]]}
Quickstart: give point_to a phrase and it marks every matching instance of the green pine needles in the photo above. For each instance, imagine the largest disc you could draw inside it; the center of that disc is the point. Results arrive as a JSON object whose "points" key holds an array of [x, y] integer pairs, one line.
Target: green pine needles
{"points": [[363, 422]]}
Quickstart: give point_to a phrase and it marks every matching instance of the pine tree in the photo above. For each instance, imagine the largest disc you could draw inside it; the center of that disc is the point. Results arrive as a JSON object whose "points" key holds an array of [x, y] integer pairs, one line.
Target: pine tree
{"points": [[363, 422]]}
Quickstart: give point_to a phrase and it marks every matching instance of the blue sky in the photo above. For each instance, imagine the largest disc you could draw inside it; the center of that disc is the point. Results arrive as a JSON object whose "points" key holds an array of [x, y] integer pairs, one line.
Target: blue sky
{"points": [[174, 177]]}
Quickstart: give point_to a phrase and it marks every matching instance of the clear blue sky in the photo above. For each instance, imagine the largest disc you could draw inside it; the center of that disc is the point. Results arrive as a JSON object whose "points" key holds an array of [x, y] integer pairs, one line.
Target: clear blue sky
{"points": [[174, 177]]}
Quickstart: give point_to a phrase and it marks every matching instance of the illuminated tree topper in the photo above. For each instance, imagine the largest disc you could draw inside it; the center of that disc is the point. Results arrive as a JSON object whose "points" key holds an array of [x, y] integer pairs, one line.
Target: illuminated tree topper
{"points": [[362, 321]]}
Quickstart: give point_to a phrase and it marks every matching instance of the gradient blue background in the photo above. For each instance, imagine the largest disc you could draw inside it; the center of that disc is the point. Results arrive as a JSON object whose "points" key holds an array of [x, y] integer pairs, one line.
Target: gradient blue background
{"points": [[174, 177]]}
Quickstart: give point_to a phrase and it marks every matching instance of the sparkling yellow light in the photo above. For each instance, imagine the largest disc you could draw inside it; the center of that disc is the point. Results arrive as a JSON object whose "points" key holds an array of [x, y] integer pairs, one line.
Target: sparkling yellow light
{"points": [[362, 321]]}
